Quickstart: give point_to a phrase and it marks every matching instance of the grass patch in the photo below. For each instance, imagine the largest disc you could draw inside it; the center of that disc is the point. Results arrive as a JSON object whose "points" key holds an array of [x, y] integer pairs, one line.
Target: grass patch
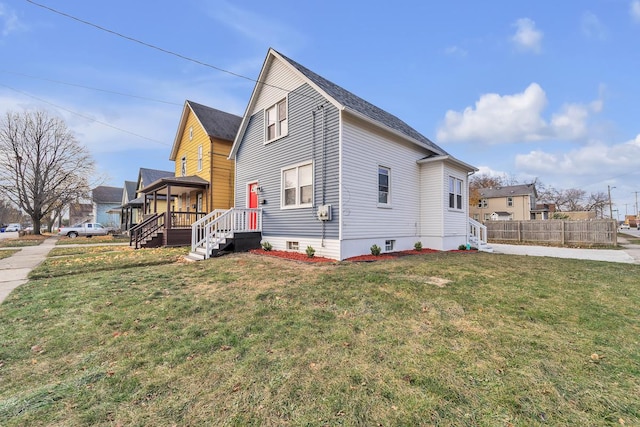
{"points": [[63, 240], [26, 240], [80, 260], [6, 253], [437, 339]]}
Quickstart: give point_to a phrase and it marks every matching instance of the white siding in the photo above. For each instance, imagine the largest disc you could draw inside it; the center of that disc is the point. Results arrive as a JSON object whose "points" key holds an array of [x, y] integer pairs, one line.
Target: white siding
{"points": [[277, 78], [328, 248], [363, 150], [432, 202], [456, 222]]}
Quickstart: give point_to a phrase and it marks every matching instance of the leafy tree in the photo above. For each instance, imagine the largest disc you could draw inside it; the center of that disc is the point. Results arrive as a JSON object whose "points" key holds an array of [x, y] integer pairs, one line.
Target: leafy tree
{"points": [[42, 165]]}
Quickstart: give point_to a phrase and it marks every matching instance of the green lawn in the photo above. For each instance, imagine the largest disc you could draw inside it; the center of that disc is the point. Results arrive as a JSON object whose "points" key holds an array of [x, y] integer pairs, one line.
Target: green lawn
{"points": [[440, 339]]}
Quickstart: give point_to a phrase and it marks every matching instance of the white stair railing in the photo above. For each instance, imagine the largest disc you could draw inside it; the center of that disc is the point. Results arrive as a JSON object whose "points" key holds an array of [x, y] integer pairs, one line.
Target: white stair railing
{"points": [[209, 231], [477, 233]]}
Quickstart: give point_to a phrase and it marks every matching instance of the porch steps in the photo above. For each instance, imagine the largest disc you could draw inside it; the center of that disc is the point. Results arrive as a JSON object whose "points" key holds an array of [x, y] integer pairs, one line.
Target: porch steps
{"points": [[219, 248], [152, 241], [483, 247]]}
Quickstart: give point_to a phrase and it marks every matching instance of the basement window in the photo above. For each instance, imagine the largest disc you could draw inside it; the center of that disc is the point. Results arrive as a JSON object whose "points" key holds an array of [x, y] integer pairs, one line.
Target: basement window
{"points": [[389, 245], [293, 246]]}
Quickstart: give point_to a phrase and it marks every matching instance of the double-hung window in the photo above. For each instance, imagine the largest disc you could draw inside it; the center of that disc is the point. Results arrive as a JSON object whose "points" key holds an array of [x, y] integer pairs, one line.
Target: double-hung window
{"points": [[482, 203], [297, 186], [183, 166], [455, 193], [384, 186], [276, 123], [199, 158], [510, 201]]}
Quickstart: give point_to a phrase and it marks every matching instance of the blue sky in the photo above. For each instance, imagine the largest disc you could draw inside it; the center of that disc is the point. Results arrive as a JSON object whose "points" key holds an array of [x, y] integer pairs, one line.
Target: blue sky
{"points": [[532, 89]]}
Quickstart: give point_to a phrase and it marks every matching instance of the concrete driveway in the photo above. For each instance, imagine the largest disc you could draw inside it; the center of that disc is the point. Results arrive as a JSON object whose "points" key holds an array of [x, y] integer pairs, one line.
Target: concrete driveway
{"points": [[629, 254]]}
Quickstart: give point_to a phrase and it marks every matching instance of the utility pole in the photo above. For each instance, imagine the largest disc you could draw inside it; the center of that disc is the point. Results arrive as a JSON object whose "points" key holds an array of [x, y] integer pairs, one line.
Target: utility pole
{"points": [[610, 205], [637, 211]]}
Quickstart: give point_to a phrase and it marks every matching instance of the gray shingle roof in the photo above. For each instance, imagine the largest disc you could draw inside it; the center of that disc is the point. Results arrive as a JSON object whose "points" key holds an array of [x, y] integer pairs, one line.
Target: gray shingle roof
{"points": [[147, 176], [104, 194], [357, 104], [510, 190], [131, 187], [216, 123]]}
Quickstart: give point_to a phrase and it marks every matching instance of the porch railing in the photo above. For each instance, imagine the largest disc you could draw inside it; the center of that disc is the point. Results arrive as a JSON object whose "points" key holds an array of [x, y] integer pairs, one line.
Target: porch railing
{"points": [[184, 219], [219, 225], [477, 233]]}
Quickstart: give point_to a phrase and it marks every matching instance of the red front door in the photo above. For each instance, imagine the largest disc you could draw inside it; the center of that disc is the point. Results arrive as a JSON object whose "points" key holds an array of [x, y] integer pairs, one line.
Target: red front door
{"points": [[253, 204]]}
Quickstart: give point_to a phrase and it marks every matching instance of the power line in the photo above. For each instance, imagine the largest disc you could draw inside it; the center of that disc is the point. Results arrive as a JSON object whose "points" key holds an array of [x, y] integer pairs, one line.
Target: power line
{"points": [[83, 116], [163, 50], [91, 88]]}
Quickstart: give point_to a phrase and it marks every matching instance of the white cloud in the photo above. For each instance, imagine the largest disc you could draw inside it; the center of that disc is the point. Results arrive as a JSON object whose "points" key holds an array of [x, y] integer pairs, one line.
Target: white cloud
{"points": [[527, 36], [592, 27], [516, 118], [456, 51], [634, 10], [8, 21], [598, 158]]}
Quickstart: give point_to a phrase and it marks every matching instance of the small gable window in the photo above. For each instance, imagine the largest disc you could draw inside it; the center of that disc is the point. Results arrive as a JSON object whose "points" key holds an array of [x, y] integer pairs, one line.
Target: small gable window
{"points": [[190, 133], [297, 186], [455, 193], [276, 121]]}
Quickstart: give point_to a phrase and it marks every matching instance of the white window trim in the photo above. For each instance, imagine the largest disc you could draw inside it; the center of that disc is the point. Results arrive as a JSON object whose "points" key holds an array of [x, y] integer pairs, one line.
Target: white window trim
{"points": [[199, 158], [183, 166], [266, 128], [388, 204], [282, 196], [455, 180]]}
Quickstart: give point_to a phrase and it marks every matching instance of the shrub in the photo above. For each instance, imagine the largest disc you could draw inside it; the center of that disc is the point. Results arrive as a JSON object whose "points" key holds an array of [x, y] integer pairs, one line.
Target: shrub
{"points": [[310, 252], [266, 246], [462, 247], [418, 246], [375, 250]]}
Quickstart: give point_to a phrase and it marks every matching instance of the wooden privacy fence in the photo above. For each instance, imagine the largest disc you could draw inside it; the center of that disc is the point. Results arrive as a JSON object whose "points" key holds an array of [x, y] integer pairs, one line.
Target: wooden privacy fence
{"points": [[596, 232]]}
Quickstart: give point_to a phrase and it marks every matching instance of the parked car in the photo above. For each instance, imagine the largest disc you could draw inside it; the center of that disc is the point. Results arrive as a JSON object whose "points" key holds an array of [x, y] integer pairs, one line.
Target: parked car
{"points": [[87, 229], [624, 227], [13, 227]]}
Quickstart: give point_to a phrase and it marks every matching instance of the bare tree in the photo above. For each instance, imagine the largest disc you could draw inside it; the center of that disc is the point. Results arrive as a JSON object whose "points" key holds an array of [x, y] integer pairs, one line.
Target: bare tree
{"points": [[597, 202], [574, 199], [41, 164]]}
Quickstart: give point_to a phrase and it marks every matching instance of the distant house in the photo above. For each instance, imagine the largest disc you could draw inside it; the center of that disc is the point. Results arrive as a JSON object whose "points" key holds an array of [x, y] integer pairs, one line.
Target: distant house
{"points": [[544, 211], [318, 166], [106, 205], [515, 202], [131, 206], [203, 178], [80, 212], [150, 204]]}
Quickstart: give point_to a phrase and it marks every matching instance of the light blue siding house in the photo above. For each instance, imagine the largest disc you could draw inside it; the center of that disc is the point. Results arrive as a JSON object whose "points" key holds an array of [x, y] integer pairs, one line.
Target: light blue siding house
{"points": [[329, 170], [106, 205]]}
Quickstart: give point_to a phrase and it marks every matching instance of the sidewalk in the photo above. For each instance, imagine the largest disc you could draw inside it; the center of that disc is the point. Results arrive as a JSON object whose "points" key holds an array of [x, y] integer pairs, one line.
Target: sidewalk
{"points": [[629, 254], [14, 270]]}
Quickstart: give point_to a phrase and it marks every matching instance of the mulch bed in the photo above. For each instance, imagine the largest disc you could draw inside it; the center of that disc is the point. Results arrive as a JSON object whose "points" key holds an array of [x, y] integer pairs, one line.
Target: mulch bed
{"points": [[302, 257]]}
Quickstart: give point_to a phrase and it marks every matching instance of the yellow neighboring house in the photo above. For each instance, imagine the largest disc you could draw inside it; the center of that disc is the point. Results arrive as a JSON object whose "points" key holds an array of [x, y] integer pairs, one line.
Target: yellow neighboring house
{"points": [[203, 177], [513, 202]]}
